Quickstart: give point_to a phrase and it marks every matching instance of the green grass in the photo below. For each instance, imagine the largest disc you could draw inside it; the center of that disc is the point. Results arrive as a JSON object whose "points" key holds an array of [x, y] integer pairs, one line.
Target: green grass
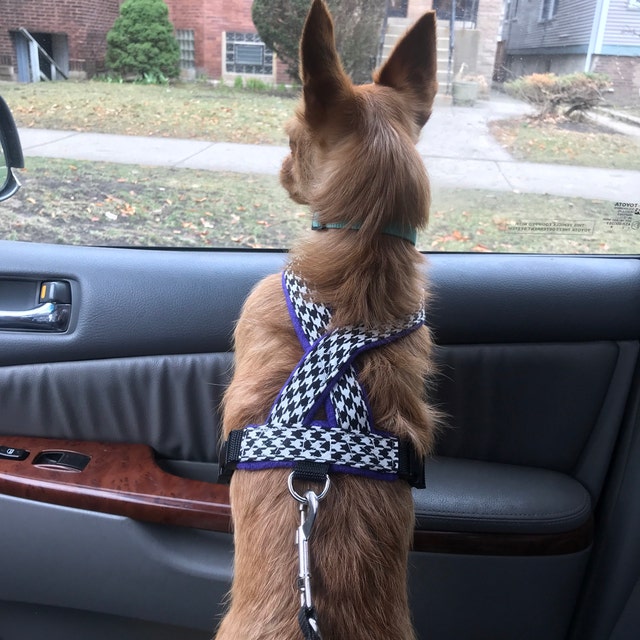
{"points": [[124, 205], [110, 204], [567, 143], [198, 110], [228, 114]]}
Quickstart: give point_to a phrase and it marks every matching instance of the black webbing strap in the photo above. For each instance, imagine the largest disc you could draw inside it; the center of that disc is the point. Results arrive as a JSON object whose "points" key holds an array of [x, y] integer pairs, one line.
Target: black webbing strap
{"points": [[410, 465], [307, 471], [230, 455], [308, 624]]}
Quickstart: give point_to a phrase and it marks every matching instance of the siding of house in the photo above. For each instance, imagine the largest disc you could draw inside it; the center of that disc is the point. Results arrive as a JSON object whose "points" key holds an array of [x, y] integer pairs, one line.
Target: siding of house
{"points": [[568, 31], [622, 30]]}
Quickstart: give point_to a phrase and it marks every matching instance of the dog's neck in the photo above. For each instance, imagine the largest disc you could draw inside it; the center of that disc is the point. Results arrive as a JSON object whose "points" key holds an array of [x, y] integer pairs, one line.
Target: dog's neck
{"points": [[408, 233], [370, 280]]}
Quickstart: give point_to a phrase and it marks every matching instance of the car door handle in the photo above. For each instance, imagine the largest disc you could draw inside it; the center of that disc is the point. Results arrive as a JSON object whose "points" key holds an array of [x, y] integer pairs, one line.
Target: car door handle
{"points": [[48, 316]]}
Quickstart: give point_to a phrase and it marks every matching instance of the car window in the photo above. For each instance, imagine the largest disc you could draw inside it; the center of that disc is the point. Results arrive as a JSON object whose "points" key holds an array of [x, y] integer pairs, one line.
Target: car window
{"points": [[533, 144]]}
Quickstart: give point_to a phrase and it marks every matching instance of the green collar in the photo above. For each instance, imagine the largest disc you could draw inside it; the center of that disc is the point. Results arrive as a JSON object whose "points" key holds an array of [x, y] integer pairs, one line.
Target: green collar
{"points": [[399, 231]]}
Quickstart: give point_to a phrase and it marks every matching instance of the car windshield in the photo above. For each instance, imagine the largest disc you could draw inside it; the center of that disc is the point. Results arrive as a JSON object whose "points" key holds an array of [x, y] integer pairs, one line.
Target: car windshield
{"points": [[151, 123]]}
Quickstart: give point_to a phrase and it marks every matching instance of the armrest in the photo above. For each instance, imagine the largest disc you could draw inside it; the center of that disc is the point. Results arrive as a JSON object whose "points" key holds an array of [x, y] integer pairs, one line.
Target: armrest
{"points": [[468, 506], [493, 507], [476, 496]]}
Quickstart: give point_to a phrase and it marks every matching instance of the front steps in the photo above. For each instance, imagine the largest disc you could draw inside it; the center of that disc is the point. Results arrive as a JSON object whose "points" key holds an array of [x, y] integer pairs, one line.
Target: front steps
{"points": [[396, 28]]}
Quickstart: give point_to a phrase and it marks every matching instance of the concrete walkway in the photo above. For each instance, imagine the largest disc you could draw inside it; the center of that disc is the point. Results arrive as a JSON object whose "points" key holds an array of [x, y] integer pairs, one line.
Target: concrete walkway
{"points": [[456, 146]]}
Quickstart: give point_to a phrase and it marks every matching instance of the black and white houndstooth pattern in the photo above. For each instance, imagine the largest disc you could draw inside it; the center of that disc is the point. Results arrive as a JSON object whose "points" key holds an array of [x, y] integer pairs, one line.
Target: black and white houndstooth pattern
{"points": [[289, 433], [347, 397], [366, 452]]}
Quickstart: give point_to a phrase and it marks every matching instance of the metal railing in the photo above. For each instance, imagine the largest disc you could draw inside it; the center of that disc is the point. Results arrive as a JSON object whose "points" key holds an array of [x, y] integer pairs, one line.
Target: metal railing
{"points": [[35, 49]]}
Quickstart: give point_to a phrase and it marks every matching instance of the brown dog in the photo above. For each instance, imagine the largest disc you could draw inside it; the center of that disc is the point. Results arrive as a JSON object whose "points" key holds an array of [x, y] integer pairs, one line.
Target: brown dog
{"points": [[353, 161]]}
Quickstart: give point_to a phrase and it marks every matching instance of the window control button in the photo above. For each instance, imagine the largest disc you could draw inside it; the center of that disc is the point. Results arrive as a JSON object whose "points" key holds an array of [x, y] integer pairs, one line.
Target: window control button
{"points": [[61, 460], [11, 453]]}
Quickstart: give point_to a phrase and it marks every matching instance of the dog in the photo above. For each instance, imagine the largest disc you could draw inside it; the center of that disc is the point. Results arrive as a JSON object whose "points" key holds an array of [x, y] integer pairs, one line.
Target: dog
{"points": [[353, 161]]}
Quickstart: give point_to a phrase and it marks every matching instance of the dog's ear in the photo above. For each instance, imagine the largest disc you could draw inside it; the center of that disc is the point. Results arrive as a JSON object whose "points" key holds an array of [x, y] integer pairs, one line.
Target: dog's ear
{"points": [[323, 78], [412, 67]]}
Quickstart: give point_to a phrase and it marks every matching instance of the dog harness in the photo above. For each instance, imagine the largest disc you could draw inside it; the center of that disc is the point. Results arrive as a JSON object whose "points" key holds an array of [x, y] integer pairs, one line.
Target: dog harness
{"points": [[345, 439]]}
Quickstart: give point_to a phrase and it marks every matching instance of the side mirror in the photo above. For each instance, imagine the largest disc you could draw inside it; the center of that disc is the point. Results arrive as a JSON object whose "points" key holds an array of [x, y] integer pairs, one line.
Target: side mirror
{"points": [[11, 157]]}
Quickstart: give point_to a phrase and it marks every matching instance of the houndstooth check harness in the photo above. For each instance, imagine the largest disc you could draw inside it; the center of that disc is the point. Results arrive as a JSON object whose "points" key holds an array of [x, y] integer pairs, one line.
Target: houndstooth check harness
{"points": [[345, 440]]}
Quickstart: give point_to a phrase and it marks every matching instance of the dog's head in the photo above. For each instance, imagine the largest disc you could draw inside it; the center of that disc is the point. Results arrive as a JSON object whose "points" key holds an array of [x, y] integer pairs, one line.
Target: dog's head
{"points": [[353, 156]]}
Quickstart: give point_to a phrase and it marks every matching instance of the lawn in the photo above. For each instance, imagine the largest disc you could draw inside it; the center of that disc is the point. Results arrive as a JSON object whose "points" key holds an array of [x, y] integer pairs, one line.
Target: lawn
{"points": [[125, 205], [567, 142], [197, 110], [110, 204], [225, 114]]}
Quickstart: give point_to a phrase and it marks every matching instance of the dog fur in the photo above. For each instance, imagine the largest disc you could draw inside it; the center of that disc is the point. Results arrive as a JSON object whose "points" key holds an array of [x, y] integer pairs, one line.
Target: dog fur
{"points": [[353, 160]]}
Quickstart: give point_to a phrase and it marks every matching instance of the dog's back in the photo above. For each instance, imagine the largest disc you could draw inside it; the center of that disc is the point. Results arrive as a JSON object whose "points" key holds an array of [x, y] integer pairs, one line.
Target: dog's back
{"points": [[353, 161]]}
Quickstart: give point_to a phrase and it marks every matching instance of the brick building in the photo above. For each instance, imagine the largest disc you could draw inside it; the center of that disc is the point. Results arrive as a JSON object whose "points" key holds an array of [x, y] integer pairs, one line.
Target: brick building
{"points": [[70, 33], [40, 38], [68, 38], [218, 40]]}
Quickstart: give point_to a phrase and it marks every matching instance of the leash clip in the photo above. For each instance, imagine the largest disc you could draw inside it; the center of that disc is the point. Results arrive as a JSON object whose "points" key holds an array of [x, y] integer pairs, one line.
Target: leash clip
{"points": [[308, 512], [308, 505]]}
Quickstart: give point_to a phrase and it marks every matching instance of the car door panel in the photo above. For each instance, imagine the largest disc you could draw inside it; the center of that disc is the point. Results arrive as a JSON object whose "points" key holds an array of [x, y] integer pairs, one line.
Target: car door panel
{"points": [[538, 360], [166, 401], [76, 560], [506, 403]]}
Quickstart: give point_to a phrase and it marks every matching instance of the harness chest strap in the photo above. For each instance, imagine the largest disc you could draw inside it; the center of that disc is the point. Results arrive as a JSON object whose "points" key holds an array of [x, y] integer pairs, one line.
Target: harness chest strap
{"points": [[325, 378]]}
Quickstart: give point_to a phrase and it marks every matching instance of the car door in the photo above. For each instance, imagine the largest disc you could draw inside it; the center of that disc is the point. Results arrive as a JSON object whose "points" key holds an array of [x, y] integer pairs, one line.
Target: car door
{"points": [[522, 510]]}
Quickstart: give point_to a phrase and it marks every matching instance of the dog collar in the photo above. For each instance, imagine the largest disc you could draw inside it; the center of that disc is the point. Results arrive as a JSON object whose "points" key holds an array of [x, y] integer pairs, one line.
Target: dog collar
{"points": [[399, 231], [345, 440]]}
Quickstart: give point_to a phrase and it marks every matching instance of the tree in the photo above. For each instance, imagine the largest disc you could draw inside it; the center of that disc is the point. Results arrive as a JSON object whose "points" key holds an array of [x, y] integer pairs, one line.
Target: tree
{"points": [[141, 42], [358, 25]]}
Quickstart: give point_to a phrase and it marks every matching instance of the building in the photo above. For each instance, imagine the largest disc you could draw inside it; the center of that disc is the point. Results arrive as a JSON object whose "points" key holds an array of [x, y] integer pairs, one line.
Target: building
{"points": [[59, 39], [564, 36], [219, 40], [48, 40], [475, 36], [68, 38]]}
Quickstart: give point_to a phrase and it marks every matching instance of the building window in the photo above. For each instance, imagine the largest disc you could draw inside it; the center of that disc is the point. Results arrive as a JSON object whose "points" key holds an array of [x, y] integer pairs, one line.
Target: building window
{"points": [[186, 41], [548, 10], [246, 53]]}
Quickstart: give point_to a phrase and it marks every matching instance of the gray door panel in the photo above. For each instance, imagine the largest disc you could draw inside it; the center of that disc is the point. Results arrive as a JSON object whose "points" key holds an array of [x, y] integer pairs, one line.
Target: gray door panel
{"points": [[537, 359]]}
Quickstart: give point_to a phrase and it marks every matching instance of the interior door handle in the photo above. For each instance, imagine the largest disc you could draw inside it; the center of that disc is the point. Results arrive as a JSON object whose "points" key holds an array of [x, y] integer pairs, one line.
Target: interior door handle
{"points": [[49, 316]]}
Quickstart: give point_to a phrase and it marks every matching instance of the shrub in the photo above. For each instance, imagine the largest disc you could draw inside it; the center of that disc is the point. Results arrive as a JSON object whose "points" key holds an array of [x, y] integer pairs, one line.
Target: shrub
{"points": [[257, 85], [549, 92], [141, 43], [358, 24]]}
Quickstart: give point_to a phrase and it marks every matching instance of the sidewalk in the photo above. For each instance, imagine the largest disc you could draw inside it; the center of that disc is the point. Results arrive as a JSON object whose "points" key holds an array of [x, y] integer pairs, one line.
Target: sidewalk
{"points": [[456, 147]]}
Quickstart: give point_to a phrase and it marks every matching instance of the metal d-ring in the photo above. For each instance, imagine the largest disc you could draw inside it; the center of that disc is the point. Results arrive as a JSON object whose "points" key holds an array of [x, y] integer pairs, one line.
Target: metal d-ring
{"points": [[303, 499]]}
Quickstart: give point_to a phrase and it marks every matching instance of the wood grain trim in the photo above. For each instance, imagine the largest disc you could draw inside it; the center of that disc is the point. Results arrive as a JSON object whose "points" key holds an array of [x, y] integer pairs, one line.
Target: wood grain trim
{"points": [[504, 544], [121, 479], [125, 480]]}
